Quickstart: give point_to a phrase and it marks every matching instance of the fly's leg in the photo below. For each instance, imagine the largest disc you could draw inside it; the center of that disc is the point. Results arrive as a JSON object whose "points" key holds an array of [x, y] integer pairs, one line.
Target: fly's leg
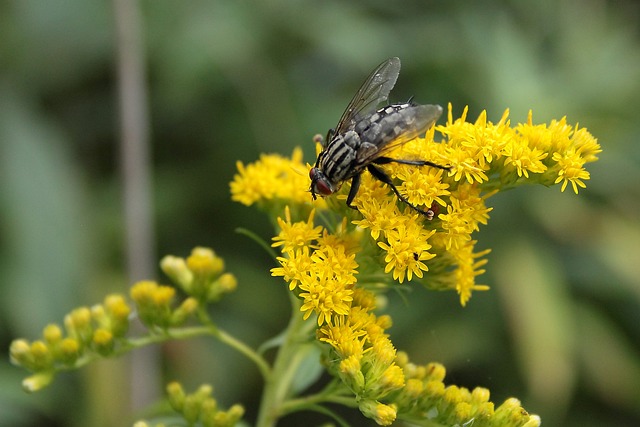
{"points": [[355, 185], [379, 174], [386, 160]]}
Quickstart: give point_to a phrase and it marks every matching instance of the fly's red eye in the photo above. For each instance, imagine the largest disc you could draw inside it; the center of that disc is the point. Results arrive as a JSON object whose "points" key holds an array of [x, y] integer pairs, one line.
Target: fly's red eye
{"points": [[312, 173], [323, 187]]}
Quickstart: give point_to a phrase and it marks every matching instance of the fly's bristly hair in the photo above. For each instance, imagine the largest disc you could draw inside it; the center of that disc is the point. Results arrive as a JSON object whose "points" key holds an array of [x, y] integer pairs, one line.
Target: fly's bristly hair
{"points": [[365, 134]]}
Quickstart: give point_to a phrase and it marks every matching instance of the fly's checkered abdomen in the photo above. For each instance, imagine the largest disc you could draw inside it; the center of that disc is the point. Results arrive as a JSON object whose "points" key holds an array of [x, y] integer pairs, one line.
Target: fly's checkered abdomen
{"points": [[386, 124]]}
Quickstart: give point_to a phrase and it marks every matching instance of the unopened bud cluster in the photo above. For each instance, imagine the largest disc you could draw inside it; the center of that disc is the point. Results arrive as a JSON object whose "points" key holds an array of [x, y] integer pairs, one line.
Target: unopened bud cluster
{"points": [[155, 305], [201, 275], [87, 332], [200, 408], [426, 396]]}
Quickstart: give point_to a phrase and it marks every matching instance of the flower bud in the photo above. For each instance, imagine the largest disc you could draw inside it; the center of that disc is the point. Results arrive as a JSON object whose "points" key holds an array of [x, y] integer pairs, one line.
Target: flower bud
{"points": [[52, 334], [176, 268], [103, 341], [176, 395], [69, 351], [37, 382]]}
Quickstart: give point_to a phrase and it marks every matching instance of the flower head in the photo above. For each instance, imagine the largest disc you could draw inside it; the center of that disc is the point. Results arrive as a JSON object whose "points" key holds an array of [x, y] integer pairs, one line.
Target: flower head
{"points": [[272, 177], [482, 158]]}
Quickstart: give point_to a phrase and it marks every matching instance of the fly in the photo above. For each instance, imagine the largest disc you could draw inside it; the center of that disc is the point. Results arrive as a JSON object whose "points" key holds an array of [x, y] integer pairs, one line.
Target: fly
{"points": [[365, 135]]}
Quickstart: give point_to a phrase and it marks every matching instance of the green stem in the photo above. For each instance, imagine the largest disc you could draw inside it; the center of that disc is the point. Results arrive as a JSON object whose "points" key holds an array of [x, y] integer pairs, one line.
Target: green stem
{"points": [[290, 355], [253, 236], [262, 364], [236, 344], [181, 334], [294, 405]]}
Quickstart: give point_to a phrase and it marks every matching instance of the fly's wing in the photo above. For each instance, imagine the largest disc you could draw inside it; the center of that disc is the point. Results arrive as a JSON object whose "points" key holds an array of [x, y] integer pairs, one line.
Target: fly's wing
{"points": [[414, 121], [373, 91]]}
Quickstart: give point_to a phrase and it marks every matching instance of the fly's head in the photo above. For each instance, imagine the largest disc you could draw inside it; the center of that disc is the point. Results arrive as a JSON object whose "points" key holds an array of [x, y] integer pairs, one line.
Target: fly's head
{"points": [[320, 184]]}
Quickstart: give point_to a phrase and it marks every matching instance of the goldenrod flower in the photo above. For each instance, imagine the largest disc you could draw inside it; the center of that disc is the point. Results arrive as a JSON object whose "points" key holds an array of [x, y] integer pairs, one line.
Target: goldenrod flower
{"points": [[346, 339], [571, 170], [322, 269], [468, 267], [381, 413], [484, 158], [296, 235], [272, 177], [379, 216], [295, 268], [326, 296], [406, 249], [421, 187], [524, 158]]}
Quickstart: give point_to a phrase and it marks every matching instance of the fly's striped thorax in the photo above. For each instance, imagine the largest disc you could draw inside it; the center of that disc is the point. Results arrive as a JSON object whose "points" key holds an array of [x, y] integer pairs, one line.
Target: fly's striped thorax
{"points": [[337, 161]]}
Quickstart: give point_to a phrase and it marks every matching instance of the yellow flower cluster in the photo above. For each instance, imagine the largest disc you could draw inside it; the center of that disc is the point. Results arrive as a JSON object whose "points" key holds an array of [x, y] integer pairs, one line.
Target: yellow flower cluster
{"points": [[89, 331], [320, 269], [387, 385], [363, 357], [271, 178], [484, 158]]}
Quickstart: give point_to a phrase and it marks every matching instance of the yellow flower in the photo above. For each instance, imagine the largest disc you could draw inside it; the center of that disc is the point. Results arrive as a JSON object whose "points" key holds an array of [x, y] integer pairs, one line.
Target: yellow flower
{"points": [[273, 176], [484, 140], [295, 268], [296, 235], [333, 262], [483, 158], [325, 296], [523, 158], [406, 248], [466, 211], [423, 187], [539, 136], [467, 269], [571, 170], [345, 338], [382, 414], [464, 165], [379, 216], [585, 144]]}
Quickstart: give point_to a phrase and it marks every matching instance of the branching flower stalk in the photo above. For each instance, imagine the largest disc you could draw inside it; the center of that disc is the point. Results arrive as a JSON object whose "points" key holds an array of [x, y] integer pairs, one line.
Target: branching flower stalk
{"points": [[338, 263]]}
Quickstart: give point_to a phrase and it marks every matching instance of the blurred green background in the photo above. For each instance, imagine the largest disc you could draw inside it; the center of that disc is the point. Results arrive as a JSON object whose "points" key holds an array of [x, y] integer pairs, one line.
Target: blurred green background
{"points": [[228, 80]]}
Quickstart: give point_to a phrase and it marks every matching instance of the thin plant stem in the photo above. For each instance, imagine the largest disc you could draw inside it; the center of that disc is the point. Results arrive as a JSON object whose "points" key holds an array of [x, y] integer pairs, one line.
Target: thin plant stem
{"points": [[288, 359]]}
